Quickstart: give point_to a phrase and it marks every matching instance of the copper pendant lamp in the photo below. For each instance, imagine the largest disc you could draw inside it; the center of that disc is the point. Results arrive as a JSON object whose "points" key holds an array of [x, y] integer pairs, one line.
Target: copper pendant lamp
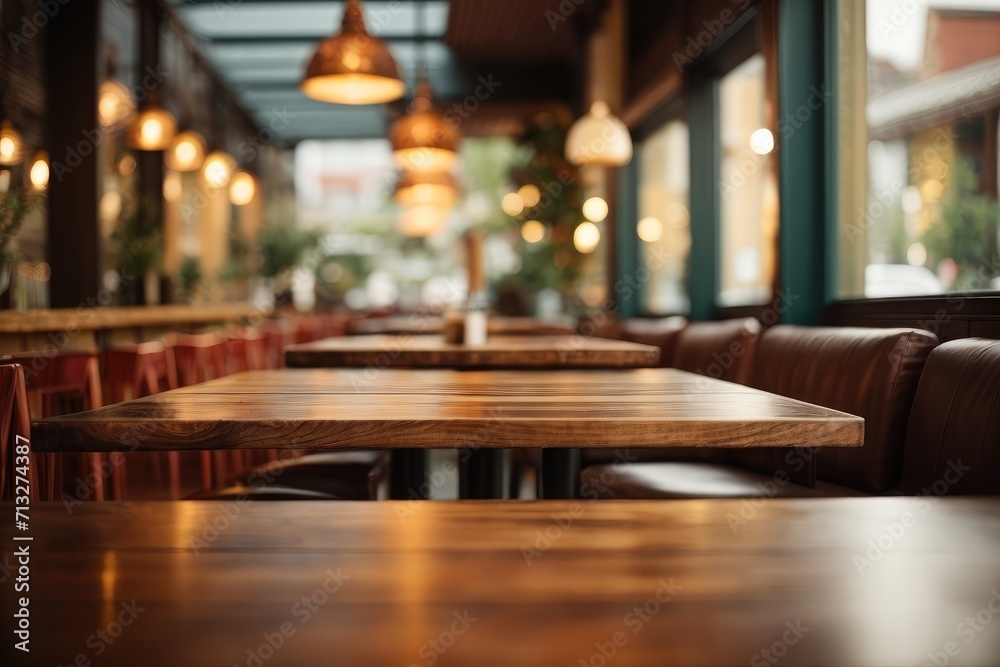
{"points": [[352, 67], [423, 140]]}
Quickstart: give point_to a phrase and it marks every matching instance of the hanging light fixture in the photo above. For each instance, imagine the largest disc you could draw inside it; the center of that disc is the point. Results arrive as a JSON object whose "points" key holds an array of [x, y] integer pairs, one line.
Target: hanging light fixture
{"points": [[39, 172], [187, 152], [115, 103], [154, 127], [422, 220], [218, 169], [423, 140], [11, 145], [599, 139], [430, 188], [352, 67], [242, 188]]}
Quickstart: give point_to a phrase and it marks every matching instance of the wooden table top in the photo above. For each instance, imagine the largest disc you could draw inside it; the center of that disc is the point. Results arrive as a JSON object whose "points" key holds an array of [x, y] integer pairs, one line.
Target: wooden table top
{"points": [[498, 352], [418, 323], [810, 582], [352, 408], [99, 318]]}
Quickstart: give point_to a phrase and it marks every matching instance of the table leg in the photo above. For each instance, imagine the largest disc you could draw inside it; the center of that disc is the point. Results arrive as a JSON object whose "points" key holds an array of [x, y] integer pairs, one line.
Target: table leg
{"points": [[559, 474], [481, 473], [408, 474]]}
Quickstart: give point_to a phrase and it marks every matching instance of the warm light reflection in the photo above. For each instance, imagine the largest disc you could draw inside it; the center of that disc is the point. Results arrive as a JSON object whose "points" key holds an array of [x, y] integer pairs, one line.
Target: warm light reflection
{"points": [[114, 104], [586, 237], [109, 577], [650, 229], [39, 174], [595, 209], [530, 195], [187, 152], [512, 204], [153, 130], [422, 220], [172, 186], [127, 165], [533, 231], [762, 141], [218, 169], [242, 189]]}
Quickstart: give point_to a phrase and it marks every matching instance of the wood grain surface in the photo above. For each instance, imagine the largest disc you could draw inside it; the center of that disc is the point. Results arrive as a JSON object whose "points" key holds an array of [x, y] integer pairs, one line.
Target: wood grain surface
{"points": [[417, 324], [799, 582], [361, 408], [498, 352], [98, 318]]}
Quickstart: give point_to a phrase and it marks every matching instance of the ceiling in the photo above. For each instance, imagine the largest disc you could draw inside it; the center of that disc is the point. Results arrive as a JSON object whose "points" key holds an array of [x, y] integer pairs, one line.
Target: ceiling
{"points": [[261, 47]]}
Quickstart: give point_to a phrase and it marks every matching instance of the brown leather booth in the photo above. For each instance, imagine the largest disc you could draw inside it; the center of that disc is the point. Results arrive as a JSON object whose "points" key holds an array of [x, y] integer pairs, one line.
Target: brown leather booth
{"points": [[953, 438], [662, 333], [868, 372]]}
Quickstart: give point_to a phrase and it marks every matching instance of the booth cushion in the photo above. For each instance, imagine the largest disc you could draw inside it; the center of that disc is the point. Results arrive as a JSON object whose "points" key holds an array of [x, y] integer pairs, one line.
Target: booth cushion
{"points": [[723, 350], [953, 439], [872, 373]]}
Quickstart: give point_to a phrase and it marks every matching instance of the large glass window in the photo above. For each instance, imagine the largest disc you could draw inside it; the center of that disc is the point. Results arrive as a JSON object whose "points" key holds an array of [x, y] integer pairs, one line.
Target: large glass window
{"points": [[748, 191], [925, 220], [663, 220]]}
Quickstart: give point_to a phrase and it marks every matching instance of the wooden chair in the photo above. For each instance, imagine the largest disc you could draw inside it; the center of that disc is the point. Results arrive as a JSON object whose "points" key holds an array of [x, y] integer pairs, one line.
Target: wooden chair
{"points": [[60, 383], [200, 358], [133, 372], [15, 430]]}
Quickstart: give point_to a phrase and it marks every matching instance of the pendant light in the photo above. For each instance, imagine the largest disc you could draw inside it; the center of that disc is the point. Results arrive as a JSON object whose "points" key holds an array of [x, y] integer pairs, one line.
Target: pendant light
{"points": [[426, 189], [154, 127], [352, 67], [218, 169], [242, 188], [423, 140], [115, 104], [422, 220], [38, 174], [11, 145], [599, 139], [187, 152]]}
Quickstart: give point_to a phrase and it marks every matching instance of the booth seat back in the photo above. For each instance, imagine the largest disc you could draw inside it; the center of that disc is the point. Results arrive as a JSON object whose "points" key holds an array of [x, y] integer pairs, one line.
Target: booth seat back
{"points": [[723, 350], [953, 438], [662, 333], [872, 373]]}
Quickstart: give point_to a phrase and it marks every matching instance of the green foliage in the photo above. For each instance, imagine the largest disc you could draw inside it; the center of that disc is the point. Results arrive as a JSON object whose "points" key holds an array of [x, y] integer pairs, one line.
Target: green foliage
{"points": [[189, 277], [966, 230], [283, 248], [137, 241], [15, 205], [555, 261]]}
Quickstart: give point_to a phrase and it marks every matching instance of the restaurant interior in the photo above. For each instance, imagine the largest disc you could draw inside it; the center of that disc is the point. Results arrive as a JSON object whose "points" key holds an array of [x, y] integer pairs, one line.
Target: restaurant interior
{"points": [[500, 332]]}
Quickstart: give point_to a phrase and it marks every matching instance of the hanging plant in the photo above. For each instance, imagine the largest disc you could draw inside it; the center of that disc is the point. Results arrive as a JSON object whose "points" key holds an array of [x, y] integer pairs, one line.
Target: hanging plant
{"points": [[15, 205]]}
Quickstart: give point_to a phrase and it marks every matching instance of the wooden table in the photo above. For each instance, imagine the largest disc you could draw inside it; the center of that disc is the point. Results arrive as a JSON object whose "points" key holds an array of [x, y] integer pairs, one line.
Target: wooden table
{"points": [[395, 408], [482, 471], [547, 583], [503, 352], [417, 324]]}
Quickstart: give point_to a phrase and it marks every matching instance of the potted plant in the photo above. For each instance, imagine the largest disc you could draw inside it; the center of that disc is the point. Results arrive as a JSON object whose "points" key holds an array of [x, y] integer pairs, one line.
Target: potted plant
{"points": [[15, 205]]}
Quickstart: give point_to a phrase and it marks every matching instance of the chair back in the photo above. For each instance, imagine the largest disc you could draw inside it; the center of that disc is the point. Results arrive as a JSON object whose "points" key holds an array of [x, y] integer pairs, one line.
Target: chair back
{"points": [[15, 430], [662, 333]]}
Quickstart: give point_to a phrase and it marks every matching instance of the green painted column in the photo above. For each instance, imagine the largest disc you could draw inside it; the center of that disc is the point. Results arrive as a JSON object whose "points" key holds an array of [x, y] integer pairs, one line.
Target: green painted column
{"points": [[807, 99], [703, 262]]}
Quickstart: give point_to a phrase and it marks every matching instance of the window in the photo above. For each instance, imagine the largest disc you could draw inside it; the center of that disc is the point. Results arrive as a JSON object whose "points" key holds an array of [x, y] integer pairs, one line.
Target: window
{"points": [[925, 219], [663, 220], [748, 190]]}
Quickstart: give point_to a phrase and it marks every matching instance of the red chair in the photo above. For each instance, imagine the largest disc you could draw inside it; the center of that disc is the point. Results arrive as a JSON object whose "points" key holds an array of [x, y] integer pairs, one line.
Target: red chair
{"points": [[15, 427], [276, 337], [133, 372], [61, 383], [307, 329], [200, 358]]}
